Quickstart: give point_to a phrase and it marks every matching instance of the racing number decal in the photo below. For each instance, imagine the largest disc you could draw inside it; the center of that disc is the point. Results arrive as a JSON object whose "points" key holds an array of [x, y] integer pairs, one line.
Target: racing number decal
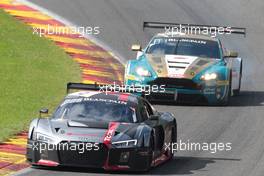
{"points": [[108, 135], [110, 132]]}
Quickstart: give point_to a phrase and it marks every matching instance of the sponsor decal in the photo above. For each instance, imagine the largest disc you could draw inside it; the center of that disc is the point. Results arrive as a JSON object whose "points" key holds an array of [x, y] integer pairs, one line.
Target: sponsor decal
{"points": [[194, 41], [176, 76], [110, 133], [78, 100]]}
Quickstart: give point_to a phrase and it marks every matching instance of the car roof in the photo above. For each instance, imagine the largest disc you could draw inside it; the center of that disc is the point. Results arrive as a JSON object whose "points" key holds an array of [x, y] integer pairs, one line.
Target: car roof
{"points": [[184, 35], [130, 98]]}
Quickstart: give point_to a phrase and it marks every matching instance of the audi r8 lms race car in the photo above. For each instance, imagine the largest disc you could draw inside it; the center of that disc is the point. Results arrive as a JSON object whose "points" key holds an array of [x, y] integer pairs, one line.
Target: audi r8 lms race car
{"points": [[91, 128], [191, 67]]}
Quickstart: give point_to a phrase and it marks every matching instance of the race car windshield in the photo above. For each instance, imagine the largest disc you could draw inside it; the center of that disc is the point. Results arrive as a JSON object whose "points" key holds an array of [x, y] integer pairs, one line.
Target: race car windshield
{"points": [[100, 111], [184, 46]]}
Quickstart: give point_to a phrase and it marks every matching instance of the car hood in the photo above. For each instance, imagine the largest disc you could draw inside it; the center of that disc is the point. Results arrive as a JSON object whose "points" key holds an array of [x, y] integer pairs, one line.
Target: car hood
{"points": [[178, 66], [68, 130]]}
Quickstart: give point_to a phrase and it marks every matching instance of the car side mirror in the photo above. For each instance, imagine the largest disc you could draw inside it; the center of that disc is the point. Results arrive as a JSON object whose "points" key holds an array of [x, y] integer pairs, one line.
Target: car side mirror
{"points": [[154, 117], [231, 54], [136, 48], [43, 111]]}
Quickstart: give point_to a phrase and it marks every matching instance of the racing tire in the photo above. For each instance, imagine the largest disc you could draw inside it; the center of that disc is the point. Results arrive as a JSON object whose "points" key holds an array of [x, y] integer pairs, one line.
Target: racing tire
{"points": [[236, 92], [152, 153], [175, 132], [173, 140], [226, 101]]}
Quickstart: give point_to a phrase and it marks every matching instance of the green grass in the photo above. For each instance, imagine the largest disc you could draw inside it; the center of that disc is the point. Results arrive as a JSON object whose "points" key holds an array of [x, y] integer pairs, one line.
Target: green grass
{"points": [[33, 74]]}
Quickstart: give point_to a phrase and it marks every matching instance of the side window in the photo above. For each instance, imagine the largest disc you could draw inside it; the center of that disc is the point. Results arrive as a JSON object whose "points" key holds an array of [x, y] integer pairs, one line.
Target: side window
{"points": [[146, 112], [222, 49], [148, 108], [143, 111]]}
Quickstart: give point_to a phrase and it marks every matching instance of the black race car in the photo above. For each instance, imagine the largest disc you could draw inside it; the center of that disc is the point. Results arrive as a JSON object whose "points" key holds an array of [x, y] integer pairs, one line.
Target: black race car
{"points": [[114, 131]]}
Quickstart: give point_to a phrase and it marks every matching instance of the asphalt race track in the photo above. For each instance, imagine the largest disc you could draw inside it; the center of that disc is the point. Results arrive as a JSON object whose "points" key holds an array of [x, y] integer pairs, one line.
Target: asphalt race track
{"points": [[241, 123]]}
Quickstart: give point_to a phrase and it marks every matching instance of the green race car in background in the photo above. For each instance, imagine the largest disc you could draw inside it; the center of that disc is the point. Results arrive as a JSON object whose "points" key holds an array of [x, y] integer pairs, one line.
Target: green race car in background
{"points": [[189, 67]]}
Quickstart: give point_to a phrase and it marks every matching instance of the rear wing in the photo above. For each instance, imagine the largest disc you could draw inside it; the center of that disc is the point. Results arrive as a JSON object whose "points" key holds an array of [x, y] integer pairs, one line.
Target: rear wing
{"points": [[81, 86], [106, 88], [195, 27]]}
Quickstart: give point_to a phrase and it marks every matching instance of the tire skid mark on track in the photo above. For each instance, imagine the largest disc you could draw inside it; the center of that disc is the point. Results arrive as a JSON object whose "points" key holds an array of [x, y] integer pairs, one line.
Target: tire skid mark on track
{"points": [[91, 58]]}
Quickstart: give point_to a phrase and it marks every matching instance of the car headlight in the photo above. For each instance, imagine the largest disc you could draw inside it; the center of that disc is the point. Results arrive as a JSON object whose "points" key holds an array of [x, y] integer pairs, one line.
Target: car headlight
{"points": [[125, 143], [43, 138], [143, 72], [209, 76]]}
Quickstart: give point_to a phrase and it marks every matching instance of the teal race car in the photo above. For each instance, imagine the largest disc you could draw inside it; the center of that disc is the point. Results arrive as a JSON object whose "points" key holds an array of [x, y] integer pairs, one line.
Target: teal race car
{"points": [[186, 68]]}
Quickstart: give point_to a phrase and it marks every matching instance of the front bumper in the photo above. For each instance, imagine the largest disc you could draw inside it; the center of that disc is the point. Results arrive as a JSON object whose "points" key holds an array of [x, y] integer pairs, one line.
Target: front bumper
{"points": [[186, 90], [106, 158], [177, 97]]}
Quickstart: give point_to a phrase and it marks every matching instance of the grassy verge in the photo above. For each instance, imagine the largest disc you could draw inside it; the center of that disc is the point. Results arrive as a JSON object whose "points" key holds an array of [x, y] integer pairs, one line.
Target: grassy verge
{"points": [[33, 74]]}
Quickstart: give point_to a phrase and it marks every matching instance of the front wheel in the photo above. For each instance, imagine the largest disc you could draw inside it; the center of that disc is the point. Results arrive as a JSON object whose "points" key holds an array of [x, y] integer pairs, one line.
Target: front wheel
{"points": [[237, 91], [151, 156], [226, 100], [170, 153]]}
